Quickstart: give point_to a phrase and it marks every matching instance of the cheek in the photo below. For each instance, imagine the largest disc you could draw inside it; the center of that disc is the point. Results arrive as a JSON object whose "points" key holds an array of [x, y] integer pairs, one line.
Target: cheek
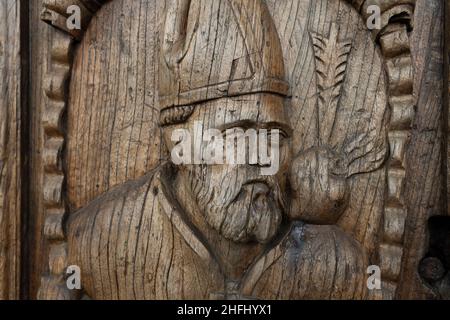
{"points": [[205, 179], [227, 178]]}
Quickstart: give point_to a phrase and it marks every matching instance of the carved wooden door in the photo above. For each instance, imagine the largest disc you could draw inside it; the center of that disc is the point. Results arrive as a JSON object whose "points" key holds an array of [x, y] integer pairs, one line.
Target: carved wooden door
{"points": [[99, 96]]}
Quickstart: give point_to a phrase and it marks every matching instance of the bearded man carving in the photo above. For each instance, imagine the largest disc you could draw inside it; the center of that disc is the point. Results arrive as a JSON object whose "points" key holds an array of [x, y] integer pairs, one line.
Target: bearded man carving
{"points": [[226, 231]]}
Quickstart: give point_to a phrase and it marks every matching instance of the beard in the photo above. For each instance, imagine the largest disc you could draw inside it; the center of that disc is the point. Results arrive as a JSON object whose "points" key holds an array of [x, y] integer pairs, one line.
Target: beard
{"points": [[239, 204]]}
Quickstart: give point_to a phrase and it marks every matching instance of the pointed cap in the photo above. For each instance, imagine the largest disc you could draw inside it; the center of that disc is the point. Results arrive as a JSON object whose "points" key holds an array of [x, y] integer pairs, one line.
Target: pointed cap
{"points": [[220, 48]]}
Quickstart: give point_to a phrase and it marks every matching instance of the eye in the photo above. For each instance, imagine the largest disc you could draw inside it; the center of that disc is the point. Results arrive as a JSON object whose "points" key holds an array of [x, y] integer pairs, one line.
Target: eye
{"points": [[283, 134]]}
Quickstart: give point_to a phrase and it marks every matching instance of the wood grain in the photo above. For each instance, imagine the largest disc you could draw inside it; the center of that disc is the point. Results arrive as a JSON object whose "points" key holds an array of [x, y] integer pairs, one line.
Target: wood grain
{"points": [[355, 130], [367, 169], [424, 187], [112, 113], [40, 48], [13, 104]]}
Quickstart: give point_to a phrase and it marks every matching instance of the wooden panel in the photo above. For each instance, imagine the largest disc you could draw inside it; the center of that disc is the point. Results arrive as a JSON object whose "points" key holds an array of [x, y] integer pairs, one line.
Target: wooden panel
{"points": [[112, 130], [40, 47], [12, 102], [424, 188], [102, 152], [116, 59]]}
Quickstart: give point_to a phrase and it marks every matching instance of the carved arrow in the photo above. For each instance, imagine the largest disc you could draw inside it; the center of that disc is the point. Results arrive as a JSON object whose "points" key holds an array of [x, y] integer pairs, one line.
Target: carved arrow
{"points": [[331, 65]]}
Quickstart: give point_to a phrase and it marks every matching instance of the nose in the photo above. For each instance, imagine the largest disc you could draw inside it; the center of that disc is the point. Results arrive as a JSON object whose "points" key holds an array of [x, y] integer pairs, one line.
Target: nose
{"points": [[260, 192]]}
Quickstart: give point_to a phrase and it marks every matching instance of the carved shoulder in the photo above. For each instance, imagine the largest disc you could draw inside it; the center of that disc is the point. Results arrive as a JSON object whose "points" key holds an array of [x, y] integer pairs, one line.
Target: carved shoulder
{"points": [[130, 244], [313, 262], [103, 237]]}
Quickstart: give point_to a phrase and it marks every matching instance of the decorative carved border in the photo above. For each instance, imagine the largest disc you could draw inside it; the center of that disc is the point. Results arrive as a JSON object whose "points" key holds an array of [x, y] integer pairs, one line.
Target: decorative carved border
{"points": [[395, 46], [52, 286], [394, 42]]}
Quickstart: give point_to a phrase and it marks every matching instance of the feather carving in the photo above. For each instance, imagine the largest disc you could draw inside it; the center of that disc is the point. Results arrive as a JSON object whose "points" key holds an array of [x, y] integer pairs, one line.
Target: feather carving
{"points": [[331, 65], [364, 149]]}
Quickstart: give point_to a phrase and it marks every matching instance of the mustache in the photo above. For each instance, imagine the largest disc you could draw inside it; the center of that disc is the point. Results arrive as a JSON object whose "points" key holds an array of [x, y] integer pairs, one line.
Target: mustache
{"points": [[255, 212], [273, 190], [230, 188]]}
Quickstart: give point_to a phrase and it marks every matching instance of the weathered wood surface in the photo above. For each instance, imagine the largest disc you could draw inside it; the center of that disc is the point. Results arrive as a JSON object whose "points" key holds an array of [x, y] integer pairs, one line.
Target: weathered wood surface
{"points": [[13, 95], [96, 140], [112, 130], [40, 47], [425, 186], [347, 98]]}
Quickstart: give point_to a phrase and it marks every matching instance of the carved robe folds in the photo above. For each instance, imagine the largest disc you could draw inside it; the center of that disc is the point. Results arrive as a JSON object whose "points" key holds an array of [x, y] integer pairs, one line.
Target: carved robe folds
{"points": [[134, 243]]}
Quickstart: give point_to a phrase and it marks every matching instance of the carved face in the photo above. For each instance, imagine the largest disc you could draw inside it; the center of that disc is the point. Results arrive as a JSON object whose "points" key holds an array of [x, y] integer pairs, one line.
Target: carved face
{"points": [[236, 199]]}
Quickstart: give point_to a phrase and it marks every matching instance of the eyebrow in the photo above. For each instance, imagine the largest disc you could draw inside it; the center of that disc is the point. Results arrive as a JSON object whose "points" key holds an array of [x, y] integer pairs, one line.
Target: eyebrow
{"points": [[250, 124]]}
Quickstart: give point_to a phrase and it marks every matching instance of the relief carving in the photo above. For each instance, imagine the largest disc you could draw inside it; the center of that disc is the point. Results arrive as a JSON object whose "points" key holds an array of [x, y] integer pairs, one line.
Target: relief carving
{"points": [[141, 227]]}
